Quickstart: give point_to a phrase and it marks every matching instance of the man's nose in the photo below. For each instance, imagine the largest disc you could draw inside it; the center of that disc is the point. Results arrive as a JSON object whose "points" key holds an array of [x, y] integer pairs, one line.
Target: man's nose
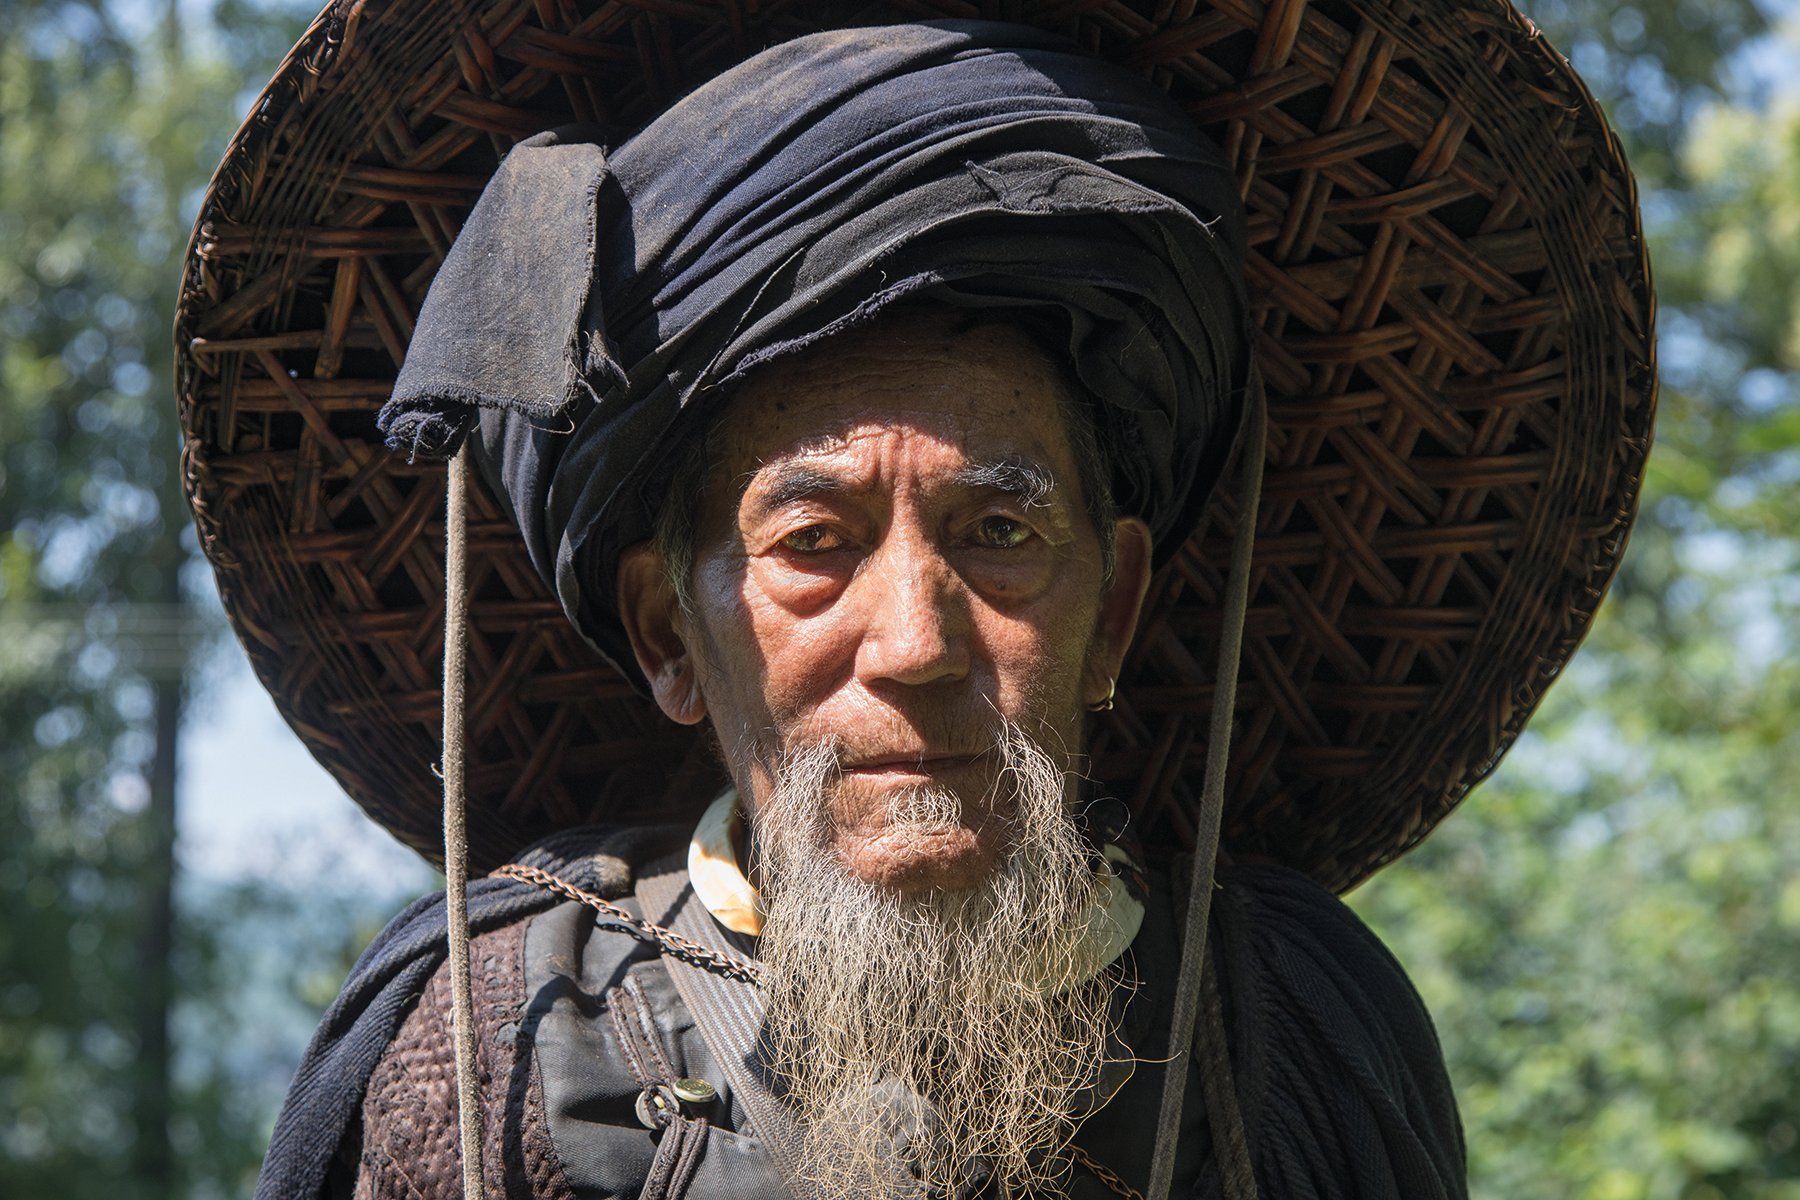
{"points": [[916, 614]]}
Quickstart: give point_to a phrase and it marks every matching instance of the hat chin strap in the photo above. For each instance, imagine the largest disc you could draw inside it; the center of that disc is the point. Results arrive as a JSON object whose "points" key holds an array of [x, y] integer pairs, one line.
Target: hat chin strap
{"points": [[1231, 1152], [456, 819]]}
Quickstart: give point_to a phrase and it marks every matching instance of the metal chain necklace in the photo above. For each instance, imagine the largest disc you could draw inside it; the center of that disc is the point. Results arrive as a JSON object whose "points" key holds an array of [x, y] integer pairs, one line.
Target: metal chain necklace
{"points": [[704, 957]]}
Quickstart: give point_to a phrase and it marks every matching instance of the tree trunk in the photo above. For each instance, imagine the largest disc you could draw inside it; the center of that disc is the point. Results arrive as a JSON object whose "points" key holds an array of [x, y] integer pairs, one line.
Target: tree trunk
{"points": [[165, 646], [154, 1102]]}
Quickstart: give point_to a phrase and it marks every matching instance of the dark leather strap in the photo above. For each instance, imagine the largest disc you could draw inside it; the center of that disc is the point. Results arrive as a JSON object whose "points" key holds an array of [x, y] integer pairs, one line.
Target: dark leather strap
{"points": [[682, 1138], [730, 1016]]}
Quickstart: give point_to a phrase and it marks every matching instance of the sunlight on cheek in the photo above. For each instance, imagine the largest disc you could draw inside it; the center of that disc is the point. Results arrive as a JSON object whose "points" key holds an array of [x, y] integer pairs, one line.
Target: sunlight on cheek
{"points": [[805, 654], [1039, 664]]}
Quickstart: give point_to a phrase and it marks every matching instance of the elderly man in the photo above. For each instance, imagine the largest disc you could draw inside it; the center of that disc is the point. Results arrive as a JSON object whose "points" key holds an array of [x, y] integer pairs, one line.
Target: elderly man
{"points": [[849, 408], [897, 553]]}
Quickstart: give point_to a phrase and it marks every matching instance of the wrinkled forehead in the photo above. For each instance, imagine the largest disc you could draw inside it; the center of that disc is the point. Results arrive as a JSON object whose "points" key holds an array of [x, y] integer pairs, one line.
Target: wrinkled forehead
{"points": [[979, 401]]}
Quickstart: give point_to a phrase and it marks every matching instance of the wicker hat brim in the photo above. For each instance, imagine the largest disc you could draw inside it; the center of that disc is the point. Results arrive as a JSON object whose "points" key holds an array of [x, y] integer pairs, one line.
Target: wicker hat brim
{"points": [[1454, 323]]}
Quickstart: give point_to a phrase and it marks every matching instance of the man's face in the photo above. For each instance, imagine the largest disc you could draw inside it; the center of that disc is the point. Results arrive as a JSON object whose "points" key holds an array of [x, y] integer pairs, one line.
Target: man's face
{"points": [[898, 615], [895, 555]]}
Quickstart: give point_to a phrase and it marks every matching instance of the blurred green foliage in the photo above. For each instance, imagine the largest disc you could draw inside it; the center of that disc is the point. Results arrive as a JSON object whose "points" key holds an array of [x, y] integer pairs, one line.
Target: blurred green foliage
{"points": [[1608, 934], [116, 1020]]}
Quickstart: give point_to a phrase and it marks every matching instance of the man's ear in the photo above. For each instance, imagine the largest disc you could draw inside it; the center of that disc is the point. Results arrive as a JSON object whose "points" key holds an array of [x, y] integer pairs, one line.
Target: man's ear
{"points": [[654, 623], [1120, 607]]}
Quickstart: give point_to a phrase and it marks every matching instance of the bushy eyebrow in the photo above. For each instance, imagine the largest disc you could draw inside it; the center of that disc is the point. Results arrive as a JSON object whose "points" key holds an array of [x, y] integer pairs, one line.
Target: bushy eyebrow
{"points": [[794, 482], [1028, 482]]}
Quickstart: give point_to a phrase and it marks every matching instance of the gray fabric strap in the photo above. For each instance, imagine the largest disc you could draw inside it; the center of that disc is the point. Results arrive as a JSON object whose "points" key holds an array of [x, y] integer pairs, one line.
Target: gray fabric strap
{"points": [[730, 1016], [1230, 1146], [456, 822]]}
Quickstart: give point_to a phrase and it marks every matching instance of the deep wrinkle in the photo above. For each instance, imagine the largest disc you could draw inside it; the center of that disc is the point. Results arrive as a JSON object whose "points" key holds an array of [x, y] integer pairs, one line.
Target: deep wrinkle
{"points": [[893, 554]]}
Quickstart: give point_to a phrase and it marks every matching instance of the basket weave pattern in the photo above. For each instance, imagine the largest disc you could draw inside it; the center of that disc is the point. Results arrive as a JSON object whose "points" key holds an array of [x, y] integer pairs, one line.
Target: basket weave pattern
{"points": [[1454, 324]]}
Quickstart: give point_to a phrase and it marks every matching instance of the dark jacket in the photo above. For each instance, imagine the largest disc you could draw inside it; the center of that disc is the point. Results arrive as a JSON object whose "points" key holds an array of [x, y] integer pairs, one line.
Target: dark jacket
{"points": [[1339, 1074]]}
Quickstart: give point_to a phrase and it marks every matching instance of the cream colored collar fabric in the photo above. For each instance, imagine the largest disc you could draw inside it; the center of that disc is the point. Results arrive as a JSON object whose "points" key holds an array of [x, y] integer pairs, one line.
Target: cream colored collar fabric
{"points": [[713, 868], [728, 894]]}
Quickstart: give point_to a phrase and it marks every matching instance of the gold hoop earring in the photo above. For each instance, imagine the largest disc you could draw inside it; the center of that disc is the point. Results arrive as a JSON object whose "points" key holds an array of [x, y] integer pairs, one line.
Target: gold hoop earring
{"points": [[1105, 703]]}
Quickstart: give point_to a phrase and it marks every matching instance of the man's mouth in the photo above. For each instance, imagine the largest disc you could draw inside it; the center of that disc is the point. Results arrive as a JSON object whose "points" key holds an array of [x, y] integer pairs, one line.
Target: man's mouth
{"points": [[911, 765]]}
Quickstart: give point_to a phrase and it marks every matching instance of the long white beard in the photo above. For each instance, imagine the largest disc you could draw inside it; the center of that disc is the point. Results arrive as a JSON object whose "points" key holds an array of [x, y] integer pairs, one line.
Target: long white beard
{"points": [[958, 1021]]}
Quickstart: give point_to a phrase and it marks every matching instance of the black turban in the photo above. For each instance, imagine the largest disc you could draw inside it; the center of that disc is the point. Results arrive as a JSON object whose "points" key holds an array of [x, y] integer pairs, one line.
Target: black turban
{"points": [[596, 302]]}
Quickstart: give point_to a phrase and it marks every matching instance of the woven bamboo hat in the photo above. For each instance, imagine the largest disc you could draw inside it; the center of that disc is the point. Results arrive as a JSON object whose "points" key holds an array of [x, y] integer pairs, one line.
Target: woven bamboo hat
{"points": [[1454, 323]]}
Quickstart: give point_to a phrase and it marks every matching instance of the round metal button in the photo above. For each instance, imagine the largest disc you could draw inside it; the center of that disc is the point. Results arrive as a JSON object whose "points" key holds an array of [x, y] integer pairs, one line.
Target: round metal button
{"points": [[695, 1091]]}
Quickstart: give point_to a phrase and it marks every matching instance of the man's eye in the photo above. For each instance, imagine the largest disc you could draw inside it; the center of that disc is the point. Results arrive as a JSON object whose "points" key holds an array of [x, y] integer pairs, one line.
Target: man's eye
{"points": [[1002, 533], [814, 539]]}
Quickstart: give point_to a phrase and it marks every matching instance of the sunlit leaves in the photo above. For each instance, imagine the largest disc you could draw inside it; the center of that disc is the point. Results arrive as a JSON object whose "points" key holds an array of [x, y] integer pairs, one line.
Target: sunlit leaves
{"points": [[1609, 932]]}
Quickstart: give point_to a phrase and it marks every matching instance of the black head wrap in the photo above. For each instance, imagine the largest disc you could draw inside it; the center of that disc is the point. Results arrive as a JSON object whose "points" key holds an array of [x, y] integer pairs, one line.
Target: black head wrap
{"points": [[594, 303]]}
